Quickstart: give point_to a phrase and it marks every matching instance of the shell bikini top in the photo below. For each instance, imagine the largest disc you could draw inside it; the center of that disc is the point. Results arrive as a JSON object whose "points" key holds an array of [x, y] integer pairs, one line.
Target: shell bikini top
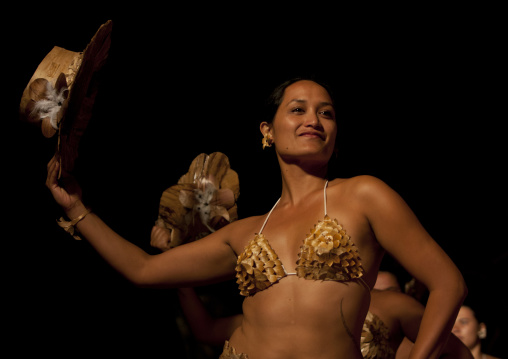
{"points": [[327, 253]]}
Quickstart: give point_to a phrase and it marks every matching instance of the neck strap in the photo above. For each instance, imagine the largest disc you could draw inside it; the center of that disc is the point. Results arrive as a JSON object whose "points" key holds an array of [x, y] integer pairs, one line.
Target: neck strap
{"points": [[276, 203]]}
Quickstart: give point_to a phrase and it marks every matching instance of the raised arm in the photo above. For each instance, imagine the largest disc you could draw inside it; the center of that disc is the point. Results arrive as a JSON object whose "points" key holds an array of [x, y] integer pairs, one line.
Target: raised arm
{"points": [[210, 261], [400, 233]]}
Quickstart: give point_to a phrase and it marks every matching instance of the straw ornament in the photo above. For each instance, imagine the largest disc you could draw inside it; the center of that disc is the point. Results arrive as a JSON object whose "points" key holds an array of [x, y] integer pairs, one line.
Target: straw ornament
{"points": [[189, 209], [61, 93]]}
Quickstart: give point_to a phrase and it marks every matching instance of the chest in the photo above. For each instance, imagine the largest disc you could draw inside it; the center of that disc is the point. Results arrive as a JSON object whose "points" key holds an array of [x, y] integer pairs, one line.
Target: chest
{"points": [[287, 229]]}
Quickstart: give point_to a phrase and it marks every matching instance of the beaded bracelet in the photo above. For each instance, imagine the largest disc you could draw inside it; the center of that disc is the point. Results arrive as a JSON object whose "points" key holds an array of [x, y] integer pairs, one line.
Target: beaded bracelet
{"points": [[69, 226]]}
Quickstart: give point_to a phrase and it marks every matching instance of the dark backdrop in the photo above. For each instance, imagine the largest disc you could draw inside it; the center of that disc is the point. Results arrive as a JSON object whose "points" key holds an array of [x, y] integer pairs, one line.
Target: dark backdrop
{"points": [[418, 101]]}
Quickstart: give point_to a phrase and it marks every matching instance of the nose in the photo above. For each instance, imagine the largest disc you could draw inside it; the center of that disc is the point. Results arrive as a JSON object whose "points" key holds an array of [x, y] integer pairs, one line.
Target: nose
{"points": [[455, 329], [312, 120]]}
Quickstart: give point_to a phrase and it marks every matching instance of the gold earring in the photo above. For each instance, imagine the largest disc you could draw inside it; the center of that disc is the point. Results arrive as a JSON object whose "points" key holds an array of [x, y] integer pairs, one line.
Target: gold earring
{"points": [[482, 333], [267, 141]]}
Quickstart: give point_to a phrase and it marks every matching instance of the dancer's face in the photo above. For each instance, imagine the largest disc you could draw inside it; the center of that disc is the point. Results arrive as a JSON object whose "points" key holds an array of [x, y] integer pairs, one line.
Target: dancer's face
{"points": [[304, 124], [467, 327]]}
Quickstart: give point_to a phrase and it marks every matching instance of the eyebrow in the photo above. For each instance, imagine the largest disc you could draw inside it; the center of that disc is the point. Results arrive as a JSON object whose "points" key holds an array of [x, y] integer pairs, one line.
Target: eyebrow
{"points": [[324, 103]]}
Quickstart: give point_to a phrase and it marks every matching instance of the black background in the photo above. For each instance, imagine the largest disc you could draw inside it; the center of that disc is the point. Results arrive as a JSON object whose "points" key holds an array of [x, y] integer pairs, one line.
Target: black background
{"points": [[420, 99]]}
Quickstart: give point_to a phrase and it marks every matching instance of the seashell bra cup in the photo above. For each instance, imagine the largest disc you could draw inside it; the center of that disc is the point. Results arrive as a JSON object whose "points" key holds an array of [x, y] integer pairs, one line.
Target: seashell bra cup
{"points": [[327, 253]]}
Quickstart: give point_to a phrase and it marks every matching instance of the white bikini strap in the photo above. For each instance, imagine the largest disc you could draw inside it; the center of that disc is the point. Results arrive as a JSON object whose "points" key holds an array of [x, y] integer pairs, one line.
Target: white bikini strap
{"points": [[324, 195], [276, 203], [268, 216]]}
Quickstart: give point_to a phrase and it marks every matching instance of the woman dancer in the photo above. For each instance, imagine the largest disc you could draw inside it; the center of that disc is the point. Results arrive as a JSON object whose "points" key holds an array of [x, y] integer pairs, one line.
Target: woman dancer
{"points": [[316, 308]]}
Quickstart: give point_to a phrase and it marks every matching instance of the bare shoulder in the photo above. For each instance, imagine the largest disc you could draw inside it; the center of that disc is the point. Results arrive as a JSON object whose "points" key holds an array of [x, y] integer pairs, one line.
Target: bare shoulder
{"points": [[361, 183], [363, 187]]}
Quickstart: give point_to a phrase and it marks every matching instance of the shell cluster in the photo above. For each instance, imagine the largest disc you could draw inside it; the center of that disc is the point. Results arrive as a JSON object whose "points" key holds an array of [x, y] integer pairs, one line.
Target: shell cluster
{"points": [[375, 339], [329, 254], [258, 267]]}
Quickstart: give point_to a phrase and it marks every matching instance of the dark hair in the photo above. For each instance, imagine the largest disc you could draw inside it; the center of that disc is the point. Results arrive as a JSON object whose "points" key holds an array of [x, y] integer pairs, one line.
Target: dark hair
{"points": [[274, 100]]}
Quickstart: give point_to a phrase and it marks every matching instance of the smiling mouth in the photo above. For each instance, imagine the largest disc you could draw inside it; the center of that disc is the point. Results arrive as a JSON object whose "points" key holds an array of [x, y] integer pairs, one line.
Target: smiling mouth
{"points": [[313, 135]]}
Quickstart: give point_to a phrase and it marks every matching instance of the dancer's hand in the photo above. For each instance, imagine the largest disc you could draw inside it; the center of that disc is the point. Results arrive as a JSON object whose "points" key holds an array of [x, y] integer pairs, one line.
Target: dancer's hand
{"points": [[160, 238], [224, 197], [69, 198]]}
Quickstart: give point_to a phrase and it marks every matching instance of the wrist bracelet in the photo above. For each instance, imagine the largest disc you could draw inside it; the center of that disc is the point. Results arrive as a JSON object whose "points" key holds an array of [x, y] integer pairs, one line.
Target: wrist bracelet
{"points": [[69, 226]]}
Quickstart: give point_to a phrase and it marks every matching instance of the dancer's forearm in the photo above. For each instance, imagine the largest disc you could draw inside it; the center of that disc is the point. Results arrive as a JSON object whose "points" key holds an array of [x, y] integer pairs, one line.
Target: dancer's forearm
{"points": [[437, 322], [125, 257]]}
